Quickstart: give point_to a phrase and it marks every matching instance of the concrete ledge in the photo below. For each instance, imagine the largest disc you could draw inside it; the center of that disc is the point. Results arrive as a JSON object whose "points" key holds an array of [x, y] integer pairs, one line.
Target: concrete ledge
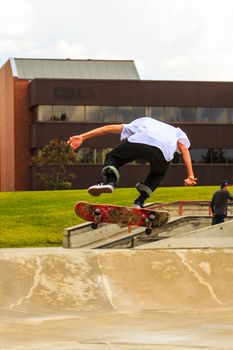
{"points": [[83, 234]]}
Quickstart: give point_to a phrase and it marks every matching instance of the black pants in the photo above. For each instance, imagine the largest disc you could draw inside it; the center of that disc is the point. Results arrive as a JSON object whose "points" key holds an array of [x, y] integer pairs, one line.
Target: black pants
{"points": [[127, 152], [218, 219]]}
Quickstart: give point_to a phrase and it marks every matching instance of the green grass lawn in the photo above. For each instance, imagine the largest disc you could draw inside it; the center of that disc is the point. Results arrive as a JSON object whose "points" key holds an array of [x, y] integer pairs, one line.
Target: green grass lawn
{"points": [[38, 218]]}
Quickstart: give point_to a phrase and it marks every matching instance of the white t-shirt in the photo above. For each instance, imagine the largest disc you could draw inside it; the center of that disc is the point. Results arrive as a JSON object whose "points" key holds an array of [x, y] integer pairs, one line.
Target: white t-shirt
{"points": [[152, 132]]}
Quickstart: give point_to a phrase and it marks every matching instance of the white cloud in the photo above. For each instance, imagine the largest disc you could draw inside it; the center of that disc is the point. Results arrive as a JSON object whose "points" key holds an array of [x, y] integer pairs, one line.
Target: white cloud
{"points": [[15, 17], [109, 55], [182, 39], [69, 49]]}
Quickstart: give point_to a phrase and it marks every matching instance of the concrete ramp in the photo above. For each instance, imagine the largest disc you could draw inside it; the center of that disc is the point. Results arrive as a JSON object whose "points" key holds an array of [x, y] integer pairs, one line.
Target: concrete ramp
{"points": [[83, 236], [116, 299], [217, 236]]}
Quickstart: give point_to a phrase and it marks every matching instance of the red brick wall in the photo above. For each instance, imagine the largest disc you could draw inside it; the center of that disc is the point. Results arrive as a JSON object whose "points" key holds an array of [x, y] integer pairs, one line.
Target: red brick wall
{"points": [[7, 147], [1, 113], [15, 117], [22, 120]]}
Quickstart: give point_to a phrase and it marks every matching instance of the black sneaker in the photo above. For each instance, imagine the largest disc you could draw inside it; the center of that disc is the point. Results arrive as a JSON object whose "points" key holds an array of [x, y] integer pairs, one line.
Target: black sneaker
{"points": [[137, 204], [100, 188]]}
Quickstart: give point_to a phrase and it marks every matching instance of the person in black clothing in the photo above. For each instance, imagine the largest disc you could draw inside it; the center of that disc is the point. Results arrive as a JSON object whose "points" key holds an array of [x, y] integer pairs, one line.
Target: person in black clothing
{"points": [[144, 138], [218, 203]]}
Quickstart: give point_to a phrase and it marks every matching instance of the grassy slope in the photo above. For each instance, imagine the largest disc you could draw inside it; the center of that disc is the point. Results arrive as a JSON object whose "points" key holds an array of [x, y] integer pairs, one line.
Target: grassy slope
{"points": [[30, 219]]}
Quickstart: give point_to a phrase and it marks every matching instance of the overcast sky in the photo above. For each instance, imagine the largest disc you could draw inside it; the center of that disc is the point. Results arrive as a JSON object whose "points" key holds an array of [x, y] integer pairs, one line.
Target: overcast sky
{"points": [[167, 39]]}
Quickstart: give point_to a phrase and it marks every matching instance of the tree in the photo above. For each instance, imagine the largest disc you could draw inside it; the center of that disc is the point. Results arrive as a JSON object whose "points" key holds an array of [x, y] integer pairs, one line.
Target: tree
{"points": [[214, 155], [51, 165]]}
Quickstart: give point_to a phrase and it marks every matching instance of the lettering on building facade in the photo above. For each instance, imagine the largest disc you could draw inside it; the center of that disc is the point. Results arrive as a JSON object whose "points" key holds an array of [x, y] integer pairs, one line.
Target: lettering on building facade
{"points": [[70, 92]]}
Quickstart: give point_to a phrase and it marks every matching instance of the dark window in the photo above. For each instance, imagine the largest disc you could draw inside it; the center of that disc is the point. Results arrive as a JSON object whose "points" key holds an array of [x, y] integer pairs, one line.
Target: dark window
{"points": [[85, 155], [77, 114], [219, 115], [230, 115], [201, 155], [44, 113], [158, 113], [93, 114], [124, 114], [228, 155], [172, 114], [60, 113], [203, 115], [139, 112], [188, 114], [218, 156], [109, 114], [92, 155], [212, 155]]}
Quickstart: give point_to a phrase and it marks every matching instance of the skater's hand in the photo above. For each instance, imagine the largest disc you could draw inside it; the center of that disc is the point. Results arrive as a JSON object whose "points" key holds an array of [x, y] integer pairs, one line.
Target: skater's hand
{"points": [[190, 181], [75, 141]]}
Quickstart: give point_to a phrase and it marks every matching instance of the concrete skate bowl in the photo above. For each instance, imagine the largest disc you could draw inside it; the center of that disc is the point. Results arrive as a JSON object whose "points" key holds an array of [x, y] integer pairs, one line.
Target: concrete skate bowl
{"points": [[116, 299]]}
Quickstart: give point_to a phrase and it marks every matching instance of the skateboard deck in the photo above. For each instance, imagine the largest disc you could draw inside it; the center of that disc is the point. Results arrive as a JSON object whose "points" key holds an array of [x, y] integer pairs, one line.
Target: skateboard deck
{"points": [[123, 216]]}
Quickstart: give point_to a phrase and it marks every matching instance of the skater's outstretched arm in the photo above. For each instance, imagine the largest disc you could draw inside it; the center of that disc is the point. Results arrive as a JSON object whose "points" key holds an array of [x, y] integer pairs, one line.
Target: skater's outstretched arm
{"points": [[77, 140], [191, 179]]}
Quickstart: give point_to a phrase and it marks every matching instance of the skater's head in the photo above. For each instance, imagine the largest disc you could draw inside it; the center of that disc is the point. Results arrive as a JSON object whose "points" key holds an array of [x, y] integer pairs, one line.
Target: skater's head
{"points": [[224, 184]]}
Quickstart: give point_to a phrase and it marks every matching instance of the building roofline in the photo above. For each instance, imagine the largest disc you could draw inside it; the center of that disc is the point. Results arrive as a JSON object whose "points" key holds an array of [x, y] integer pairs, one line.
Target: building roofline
{"points": [[30, 68], [72, 59], [13, 67]]}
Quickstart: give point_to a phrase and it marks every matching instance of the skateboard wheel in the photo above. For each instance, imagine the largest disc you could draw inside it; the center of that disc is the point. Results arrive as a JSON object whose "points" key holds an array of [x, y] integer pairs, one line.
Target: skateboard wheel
{"points": [[148, 231], [97, 212], [147, 221], [151, 217], [94, 225]]}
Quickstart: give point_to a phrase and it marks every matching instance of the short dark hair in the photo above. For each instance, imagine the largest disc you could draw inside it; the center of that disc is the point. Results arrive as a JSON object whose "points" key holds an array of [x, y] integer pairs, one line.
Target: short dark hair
{"points": [[224, 184]]}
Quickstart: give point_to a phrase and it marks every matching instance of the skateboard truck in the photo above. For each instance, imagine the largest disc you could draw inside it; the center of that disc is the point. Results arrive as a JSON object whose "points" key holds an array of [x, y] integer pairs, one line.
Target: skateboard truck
{"points": [[149, 224], [97, 218]]}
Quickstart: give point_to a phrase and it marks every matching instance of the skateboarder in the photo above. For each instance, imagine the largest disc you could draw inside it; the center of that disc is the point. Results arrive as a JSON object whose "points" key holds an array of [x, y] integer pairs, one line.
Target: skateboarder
{"points": [[144, 138], [219, 203]]}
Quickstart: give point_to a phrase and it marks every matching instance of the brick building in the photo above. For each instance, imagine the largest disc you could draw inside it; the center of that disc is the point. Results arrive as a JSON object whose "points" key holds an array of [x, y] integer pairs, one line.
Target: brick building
{"points": [[42, 99]]}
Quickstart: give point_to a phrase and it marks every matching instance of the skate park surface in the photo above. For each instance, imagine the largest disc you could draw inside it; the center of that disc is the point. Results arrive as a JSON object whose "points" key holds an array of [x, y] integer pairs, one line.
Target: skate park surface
{"points": [[157, 296]]}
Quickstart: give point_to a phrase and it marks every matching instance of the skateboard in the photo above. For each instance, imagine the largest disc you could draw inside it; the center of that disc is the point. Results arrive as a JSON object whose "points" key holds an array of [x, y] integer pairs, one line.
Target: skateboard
{"points": [[123, 216]]}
